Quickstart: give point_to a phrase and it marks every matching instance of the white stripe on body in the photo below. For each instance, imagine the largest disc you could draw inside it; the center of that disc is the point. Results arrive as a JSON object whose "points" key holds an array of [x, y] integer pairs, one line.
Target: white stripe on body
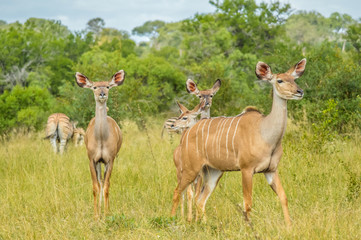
{"points": [[205, 122], [220, 142], [207, 138], [219, 136], [234, 135], [215, 138], [197, 137], [230, 125]]}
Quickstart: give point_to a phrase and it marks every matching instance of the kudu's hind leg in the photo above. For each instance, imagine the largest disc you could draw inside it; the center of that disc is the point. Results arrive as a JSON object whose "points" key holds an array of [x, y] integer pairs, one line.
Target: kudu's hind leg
{"points": [[211, 177], [187, 178], [62, 145], [53, 142], [189, 202]]}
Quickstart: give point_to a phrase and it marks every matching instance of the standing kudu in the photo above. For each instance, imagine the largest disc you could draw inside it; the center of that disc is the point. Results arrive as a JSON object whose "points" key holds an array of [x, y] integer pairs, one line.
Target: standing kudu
{"points": [[250, 143], [103, 138]]}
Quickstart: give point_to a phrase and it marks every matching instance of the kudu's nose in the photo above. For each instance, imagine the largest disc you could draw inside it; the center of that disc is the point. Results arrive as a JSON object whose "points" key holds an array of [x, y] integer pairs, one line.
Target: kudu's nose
{"points": [[300, 91], [102, 94]]}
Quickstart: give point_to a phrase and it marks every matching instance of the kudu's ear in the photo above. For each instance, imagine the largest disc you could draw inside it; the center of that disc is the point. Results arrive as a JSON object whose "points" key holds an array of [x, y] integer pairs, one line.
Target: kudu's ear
{"points": [[182, 108], [216, 86], [83, 81], [192, 87], [117, 79], [263, 71], [297, 70]]}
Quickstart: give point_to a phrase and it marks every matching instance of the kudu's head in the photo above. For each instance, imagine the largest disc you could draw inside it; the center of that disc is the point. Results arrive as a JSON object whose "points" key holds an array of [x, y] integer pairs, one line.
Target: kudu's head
{"points": [[188, 117], [100, 89], [205, 95], [284, 83]]}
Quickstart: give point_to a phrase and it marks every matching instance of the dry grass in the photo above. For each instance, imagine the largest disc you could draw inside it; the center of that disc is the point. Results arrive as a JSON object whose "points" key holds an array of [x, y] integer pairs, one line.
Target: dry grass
{"points": [[46, 196]]}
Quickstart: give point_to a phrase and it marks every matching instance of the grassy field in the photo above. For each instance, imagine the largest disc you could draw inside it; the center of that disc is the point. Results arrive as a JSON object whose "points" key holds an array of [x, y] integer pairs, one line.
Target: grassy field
{"points": [[47, 196]]}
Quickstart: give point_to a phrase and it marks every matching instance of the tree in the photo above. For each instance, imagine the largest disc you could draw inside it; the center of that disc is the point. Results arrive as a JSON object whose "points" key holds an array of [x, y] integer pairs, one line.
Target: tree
{"points": [[95, 25], [148, 29], [353, 34]]}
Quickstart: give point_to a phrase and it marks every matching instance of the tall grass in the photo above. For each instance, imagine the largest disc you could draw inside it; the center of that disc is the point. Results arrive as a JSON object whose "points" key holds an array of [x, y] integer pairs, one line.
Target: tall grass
{"points": [[47, 196]]}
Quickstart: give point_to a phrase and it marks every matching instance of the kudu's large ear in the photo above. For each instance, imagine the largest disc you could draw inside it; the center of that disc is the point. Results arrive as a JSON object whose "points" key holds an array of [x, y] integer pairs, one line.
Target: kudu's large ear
{"points": [[182, 108], [216, 86], [297, 70], [263, 71], [117, 79], [192, 87], [83, 81]]}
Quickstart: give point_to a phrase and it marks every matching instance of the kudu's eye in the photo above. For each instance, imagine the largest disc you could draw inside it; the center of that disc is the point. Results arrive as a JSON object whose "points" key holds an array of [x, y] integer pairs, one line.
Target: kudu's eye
{"points": [[185, 118], [200, 96], [279, 81], [94, 87], [108, 87], [211, 96]]}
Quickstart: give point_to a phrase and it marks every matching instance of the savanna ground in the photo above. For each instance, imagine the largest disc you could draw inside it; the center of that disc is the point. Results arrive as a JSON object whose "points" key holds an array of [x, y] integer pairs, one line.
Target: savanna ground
{"points": [[47, 196]]}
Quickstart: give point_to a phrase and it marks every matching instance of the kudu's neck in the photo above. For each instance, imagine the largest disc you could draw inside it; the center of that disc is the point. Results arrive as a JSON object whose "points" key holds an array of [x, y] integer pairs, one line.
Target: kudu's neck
{"points": [[274, 124], [101, 127], [206, 113]]}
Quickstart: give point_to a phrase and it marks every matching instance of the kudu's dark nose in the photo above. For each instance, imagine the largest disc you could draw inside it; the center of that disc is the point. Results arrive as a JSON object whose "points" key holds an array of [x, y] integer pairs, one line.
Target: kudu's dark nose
{"points": [[102, 94], [300, 91]]}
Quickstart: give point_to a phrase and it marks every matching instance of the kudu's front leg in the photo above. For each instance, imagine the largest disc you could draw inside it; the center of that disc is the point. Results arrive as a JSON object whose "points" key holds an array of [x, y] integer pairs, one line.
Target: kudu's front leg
{"points": [[275, 183], [247, 176], [96, 188]]}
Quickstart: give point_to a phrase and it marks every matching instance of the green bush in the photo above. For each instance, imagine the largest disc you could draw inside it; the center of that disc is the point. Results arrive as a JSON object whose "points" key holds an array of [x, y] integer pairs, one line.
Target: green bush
{"points": [[24, 107]]}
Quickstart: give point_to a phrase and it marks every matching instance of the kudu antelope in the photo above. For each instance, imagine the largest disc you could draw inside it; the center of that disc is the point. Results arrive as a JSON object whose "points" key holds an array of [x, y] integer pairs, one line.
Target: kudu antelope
{"points": [[250, 143], [103, 138], [186, 120], [205, 95], [60, 128]]}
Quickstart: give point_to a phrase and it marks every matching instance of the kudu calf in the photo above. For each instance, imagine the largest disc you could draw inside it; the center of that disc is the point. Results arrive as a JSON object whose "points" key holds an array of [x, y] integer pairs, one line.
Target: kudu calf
{"points": [[250, 143], [103, 138]]}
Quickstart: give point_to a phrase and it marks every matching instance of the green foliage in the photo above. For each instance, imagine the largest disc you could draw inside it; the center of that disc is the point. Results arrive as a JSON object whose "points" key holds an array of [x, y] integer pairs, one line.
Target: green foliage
{"points": [[224, 45], [149, 28], [95, 25], [24, 107], [354, 36]]}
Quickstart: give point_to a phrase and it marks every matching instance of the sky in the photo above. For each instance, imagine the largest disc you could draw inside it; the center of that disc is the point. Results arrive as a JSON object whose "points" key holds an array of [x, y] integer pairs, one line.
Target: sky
{"points": [[127, 14]]}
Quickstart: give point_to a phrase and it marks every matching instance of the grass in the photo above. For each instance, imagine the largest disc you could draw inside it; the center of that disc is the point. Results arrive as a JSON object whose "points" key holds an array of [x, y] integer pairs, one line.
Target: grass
{"points": [[47, 196]]}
